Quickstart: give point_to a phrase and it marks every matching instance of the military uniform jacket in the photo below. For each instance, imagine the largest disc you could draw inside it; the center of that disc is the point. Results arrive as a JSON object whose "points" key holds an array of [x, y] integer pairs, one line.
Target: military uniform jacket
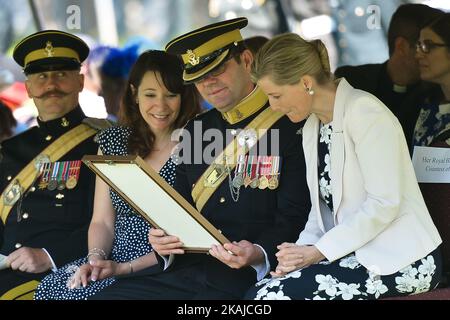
{"points": [[263, 217], [55, 220]]}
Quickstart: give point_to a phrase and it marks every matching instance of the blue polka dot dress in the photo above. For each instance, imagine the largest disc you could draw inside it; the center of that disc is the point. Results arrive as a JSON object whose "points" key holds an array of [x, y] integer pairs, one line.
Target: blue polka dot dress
{"points": [[131, 230]]}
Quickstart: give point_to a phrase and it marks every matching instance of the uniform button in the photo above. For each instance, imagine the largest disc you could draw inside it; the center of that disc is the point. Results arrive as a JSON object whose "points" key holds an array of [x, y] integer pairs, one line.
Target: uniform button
{"points": [[18, 245], [9, 178], [48, 138], [32, 189], [25, 215], [222, 200]]}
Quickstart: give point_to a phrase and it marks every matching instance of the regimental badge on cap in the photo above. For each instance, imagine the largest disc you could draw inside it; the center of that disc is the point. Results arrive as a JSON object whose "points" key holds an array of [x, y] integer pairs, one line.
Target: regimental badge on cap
{"points": [[49, 49], [192, 58]]}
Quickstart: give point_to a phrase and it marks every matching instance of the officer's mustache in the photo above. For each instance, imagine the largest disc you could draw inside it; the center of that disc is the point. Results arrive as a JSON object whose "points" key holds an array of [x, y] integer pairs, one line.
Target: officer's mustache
{"points": [[56, 92]]}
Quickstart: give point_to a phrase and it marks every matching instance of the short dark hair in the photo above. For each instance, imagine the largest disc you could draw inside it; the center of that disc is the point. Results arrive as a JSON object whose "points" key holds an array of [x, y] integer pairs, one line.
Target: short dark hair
{"points": [[235, 51], [407, 21], [170, 68], [255, 43]]}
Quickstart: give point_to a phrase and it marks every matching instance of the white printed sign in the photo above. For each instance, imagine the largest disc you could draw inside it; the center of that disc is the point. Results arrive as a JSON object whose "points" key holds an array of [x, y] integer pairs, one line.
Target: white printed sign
{"points": [[432, 165]]}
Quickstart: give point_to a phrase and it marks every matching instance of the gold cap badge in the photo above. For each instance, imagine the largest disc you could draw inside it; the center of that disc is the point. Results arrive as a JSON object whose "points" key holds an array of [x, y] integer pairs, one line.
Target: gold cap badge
{"points": [[192, 58], [49, 49]]}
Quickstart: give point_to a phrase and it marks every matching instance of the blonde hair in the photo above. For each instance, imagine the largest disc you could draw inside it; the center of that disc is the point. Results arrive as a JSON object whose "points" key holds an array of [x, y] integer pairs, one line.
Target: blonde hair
{"points": [[287, 57]]}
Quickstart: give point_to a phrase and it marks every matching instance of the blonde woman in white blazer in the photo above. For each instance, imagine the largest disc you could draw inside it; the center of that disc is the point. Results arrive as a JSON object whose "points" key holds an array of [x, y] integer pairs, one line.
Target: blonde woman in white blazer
{"points": [[369, 234]]}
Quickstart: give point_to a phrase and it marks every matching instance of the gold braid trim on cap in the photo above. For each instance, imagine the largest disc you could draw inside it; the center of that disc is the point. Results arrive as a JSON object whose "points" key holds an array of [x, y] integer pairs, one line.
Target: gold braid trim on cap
{"points": [[212, 45], [58, 52]]}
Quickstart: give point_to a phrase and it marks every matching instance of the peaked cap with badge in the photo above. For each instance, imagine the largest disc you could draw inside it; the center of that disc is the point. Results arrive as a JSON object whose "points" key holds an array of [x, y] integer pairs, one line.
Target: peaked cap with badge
{"points": [[205, 48], [50, 50]]}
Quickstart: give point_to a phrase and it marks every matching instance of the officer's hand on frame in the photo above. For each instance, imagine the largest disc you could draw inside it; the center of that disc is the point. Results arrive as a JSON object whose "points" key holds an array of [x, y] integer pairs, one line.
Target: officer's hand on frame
{"points": [[32, 260], [238, 254], [163, 244]]}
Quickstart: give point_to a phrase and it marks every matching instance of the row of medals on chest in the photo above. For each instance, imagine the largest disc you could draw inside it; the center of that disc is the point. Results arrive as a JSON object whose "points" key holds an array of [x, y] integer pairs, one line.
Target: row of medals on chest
{"points": [[251, 170], [58, 175]]}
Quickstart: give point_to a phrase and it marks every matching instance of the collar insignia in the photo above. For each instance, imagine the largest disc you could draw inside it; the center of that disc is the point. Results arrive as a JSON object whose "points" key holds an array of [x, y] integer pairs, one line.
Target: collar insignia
{"points": [[64, 122]]}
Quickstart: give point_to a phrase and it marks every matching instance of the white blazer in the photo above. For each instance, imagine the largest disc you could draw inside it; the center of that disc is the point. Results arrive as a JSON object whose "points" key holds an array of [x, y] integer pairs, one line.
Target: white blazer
{"points": [[379, 211]]}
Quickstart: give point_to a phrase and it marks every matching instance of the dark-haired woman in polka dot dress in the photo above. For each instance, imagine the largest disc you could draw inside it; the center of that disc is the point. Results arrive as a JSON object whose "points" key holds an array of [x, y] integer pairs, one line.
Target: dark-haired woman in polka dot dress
{"points": [[155, 103]]}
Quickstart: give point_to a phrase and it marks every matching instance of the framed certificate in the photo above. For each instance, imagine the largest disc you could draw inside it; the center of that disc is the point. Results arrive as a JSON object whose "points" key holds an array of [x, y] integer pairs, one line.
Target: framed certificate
{"points": [[155, 200]]}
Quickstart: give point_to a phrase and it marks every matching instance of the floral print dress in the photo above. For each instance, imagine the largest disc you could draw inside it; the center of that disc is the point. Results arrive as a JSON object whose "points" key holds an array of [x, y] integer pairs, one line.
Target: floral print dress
{"points": [[433, 119], [345, 278]]}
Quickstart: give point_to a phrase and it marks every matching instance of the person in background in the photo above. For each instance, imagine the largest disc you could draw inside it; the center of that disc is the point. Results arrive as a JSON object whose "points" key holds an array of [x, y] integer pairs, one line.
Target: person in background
{"points": [[369, 234], [113, 73], [7, 122], [433, 54], [46, 195], [396, 82], [155, 103], [250, 212]]}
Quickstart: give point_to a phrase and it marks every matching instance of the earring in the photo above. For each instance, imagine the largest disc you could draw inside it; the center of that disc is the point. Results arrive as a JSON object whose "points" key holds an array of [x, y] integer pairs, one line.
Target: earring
{"points": [[310, 91]]}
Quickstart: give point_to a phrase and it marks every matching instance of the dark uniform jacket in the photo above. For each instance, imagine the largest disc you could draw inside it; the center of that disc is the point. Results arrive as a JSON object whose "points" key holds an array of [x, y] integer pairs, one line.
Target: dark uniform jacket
{"points": [[54, 220], [375, 79], [264, 217]]}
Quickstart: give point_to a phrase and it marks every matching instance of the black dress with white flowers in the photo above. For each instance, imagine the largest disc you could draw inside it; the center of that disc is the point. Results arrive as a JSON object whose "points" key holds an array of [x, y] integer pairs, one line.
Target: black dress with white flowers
{"points": [[433, 119], [131, 230], [324, 148]]}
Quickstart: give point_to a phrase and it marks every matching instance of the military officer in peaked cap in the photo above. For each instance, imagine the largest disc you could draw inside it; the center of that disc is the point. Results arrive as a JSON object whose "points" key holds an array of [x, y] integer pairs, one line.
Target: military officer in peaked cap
{"points": [[46, 194], [258, 201]]}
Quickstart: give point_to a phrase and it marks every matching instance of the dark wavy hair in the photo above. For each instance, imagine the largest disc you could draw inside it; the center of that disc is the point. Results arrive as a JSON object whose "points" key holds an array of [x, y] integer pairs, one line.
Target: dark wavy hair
{"points": [[441, 26], [170, 67]]}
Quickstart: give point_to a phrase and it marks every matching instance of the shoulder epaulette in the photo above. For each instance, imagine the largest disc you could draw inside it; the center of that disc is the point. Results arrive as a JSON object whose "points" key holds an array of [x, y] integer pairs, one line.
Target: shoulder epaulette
{"points": [[98, 124]]}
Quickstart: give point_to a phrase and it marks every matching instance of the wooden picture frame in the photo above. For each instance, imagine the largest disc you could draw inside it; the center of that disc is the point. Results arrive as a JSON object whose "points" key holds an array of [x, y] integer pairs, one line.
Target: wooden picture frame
{"points": [[155, 200]]}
